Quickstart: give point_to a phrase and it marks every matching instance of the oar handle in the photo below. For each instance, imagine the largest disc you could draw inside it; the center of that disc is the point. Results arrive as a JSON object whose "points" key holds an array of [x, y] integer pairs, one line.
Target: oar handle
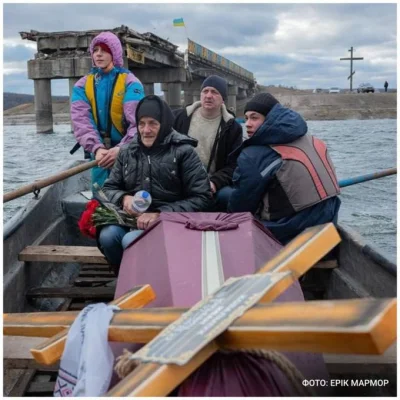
{"points": [[23, 190], [367, 177]]}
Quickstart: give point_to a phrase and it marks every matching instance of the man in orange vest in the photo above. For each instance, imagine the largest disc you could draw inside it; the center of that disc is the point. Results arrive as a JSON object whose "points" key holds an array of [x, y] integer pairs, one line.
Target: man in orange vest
{"points": [[284, 176]]}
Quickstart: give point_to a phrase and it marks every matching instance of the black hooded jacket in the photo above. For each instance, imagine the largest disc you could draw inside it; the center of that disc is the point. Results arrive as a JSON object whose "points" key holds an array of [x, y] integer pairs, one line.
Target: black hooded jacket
{"points": [[170, 170], [229, 137]]}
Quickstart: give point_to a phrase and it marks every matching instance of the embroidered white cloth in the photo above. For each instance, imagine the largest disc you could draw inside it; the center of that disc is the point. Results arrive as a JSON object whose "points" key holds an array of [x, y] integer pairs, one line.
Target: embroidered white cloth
{"points": [[87, 362]]}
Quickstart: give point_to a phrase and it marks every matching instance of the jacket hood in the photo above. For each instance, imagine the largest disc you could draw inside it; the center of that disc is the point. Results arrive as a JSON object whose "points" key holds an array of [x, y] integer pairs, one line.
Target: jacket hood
{"points": [[281, 126], [113, 43], [167, 118]]}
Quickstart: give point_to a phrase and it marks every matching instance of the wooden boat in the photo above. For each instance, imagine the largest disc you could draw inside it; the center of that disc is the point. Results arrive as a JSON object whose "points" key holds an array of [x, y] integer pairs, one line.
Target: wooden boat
{"points": [[49, 265]]}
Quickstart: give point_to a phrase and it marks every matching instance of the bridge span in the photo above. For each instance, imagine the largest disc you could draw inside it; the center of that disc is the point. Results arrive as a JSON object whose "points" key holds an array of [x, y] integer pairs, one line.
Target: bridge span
{"points": [[65, 55]]}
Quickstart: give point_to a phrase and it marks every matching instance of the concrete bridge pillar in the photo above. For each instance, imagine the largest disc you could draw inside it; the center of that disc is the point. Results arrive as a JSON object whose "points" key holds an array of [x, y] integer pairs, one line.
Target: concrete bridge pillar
{"points": [[43, 106], [196, 96], [242, 94], [188, 99], [148, 88], [71, 82], [174, 95], [192, 91], [232, 93], [164, 88]]}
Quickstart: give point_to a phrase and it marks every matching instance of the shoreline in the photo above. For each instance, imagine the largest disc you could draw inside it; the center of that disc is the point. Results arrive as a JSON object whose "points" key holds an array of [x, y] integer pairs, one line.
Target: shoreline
{"points": [[308, 115], [312, 107]]}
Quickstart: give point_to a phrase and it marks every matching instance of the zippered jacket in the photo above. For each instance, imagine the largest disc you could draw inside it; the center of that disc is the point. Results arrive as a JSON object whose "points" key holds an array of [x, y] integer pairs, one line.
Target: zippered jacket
{"points": [[228, 138], [171, 171]]}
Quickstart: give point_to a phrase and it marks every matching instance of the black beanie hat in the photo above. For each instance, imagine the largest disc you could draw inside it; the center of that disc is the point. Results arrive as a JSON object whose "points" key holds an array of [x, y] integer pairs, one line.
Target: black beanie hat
{"points": [[261, 103], [149, 108], [218, 83]]}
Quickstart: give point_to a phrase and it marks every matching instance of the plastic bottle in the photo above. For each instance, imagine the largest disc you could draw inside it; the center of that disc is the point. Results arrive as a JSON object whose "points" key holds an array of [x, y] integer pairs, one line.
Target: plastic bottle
{"points": [[141, 201]]}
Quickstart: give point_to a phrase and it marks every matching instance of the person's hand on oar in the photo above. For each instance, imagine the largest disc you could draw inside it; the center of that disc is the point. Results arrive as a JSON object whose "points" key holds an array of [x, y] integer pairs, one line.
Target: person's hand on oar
{"points": [[107, 161], [99, 154]]}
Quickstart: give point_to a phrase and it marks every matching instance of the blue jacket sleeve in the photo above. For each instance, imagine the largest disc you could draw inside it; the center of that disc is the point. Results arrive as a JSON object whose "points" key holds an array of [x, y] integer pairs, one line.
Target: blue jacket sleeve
{"points": [[252, 175]]}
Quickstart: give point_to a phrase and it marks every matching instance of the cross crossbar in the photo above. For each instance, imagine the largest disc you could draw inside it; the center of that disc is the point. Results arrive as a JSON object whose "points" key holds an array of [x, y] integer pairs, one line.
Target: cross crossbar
{"points": [[51, 350]]}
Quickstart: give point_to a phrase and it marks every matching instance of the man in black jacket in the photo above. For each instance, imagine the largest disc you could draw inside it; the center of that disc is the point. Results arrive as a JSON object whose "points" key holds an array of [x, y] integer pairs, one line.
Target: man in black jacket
{"points": [[217, 132], [160, 161]]}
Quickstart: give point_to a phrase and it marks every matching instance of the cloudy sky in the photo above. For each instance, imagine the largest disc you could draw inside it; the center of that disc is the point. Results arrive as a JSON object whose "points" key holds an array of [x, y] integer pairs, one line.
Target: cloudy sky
{"points": [[287, 44]]}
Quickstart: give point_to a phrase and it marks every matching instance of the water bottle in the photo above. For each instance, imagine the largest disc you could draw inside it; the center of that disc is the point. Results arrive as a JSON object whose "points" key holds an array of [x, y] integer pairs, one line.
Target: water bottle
{"points": [[141, 201]]}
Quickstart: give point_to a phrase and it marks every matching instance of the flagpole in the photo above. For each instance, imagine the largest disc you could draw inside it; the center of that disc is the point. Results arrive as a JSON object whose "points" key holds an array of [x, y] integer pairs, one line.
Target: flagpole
{"points": [[187, 36]]}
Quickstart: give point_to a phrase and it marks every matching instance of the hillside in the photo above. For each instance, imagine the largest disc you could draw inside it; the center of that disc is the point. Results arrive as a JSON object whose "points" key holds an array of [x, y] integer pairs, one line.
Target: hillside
{"points": [[11, 100]]}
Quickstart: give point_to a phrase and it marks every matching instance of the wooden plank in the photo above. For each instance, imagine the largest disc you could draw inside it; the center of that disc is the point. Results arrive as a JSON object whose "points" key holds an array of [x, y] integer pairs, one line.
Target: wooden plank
{"points": [[78, 254], [304, 251], [16, 353], [22, 383], [72, 292], [96, 274], [388, 357], [159, 379], [97, 267], [357, 326], [51, 350], [183, 339], [40, 387], [79, 305], [328, 264], [152, 379], [89, 281], [65, 306]]}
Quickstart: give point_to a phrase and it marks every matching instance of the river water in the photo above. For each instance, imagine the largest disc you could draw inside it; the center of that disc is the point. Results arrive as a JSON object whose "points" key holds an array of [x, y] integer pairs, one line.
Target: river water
{"points": [[356, 148]]}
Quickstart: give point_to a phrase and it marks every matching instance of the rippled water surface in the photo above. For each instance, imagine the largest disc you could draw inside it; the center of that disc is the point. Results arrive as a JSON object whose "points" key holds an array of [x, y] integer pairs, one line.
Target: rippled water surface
{"points": [[356, 147]]}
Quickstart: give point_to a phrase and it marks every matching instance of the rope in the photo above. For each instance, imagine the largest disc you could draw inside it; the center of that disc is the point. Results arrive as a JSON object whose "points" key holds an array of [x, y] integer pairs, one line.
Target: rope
{"points": [[125, 365]]}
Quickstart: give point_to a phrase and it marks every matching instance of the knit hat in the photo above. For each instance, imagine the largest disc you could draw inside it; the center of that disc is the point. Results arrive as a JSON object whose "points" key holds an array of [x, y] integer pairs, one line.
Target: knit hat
{"points": [[218, 83], [149, 108], [105, 48], [261, 103]]}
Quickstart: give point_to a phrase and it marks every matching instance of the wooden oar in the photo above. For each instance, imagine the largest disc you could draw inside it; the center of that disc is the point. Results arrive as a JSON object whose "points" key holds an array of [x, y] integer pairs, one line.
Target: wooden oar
{"points": [[367, 177], [32, 187]]}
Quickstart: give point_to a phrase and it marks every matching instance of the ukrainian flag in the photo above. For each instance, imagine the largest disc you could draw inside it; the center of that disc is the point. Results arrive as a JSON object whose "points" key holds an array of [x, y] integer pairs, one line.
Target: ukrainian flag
{"points": [[178, 22]]}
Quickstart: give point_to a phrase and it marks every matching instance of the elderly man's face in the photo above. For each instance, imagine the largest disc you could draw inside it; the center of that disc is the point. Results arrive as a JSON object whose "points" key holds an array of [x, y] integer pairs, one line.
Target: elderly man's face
{"points": [[149, 129], [211, 99], [253, 121]]}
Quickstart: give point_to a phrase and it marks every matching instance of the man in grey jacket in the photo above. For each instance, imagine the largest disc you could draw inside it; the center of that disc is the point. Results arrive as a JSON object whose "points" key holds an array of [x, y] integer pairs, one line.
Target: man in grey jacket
{"points": [[164, 163]]}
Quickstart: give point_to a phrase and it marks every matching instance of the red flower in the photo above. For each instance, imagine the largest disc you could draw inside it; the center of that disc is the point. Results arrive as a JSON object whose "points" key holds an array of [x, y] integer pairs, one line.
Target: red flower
{"points": [[85, 224]]}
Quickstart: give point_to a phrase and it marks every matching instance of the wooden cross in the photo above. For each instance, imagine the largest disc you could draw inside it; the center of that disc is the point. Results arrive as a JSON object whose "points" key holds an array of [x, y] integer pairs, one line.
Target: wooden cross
{"points": [[364, 326], [51, 350]]}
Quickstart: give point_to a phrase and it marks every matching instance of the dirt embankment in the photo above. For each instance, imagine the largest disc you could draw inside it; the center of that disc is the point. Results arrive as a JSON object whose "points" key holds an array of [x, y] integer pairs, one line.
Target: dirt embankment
{"points": [[325, 106], [24, 114], [312, 106]]}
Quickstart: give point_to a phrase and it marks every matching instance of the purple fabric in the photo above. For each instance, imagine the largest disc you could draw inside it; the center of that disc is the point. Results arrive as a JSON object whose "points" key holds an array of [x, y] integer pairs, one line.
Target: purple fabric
{"points": [[211, 225], [113, 43], [81, 117], [168, 257], [236, 374]]}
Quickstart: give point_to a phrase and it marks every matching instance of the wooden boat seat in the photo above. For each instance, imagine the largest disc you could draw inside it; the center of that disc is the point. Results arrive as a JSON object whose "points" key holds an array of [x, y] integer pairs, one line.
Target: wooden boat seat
{"points": [[92, 255], [17, 355], [62, 254]]}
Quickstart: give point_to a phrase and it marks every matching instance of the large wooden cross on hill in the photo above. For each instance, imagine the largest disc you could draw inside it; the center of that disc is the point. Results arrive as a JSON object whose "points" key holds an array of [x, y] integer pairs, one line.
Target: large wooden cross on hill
{"points": [[239, 315]]}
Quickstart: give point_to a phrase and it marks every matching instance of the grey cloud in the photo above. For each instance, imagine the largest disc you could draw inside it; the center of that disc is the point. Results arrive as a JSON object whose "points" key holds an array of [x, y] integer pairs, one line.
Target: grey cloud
{"points": [[219, 26], [17, 53]]}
